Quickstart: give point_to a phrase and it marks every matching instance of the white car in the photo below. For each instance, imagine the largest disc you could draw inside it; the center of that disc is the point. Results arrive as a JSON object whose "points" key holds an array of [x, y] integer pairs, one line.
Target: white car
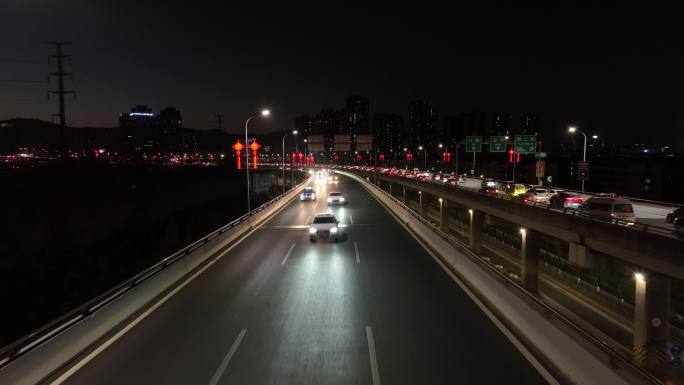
{"points": [[324, 226], [336, 198]]}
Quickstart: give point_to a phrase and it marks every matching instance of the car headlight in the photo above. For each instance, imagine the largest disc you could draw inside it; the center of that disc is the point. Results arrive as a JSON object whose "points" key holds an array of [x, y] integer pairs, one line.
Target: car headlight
{"points": [[341, 199], [329, 200], [333, 230], [312, 230]]}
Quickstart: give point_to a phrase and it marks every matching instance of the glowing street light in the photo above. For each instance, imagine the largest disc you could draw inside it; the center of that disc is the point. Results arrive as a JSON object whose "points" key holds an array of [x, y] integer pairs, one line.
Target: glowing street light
{"points": [[264, 113], [294, 132], [572, 130]]}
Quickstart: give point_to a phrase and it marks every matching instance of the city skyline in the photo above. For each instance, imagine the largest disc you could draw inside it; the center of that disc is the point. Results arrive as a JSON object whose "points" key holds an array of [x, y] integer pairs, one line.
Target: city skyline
{"points": [[194, 60]]}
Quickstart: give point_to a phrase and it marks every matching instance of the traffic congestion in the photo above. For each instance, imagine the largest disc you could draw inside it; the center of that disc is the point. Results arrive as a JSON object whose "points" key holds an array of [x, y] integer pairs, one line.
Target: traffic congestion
{"points": [[599, 206]]}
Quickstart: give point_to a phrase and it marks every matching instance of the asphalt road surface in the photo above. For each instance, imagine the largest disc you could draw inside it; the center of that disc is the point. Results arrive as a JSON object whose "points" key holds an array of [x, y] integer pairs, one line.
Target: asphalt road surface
{"points": [[371, 309]]}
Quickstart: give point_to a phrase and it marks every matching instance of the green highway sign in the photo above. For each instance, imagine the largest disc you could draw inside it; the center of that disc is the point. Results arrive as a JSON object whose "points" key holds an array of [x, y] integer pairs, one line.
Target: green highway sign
{"points": [[473, 144], [525, 144], [497, 144]]}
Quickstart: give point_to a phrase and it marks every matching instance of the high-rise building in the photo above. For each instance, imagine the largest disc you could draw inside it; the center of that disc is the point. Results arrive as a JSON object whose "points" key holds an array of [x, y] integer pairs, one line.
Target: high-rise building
{"points": [[501, 124], [529, 125], [304, 124], [457, 127], [140, 116], [388, 133], [423, 129], [169, 118], [359, 116]]}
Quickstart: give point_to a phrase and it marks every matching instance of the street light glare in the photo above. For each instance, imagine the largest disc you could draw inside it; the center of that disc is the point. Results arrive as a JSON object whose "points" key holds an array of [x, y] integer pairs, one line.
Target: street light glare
{"points": [[572, 129], [294, 132], [595, 136], [420, 147], [265, 112]]}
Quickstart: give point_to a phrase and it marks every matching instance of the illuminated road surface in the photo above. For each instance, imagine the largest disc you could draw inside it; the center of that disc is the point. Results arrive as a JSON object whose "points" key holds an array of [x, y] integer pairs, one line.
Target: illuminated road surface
{"points": [[372, 309]]}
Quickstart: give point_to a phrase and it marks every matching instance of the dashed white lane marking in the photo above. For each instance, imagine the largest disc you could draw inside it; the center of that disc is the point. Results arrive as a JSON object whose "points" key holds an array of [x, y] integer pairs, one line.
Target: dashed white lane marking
{"points": [[356, 250], [375, 373], [288, 254], [307, 220], [226, 359], [351, 220]]}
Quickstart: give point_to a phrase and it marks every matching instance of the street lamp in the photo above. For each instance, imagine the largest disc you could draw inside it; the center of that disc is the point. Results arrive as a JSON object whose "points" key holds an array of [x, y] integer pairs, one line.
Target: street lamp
{"points": [[264, 113], [573, 130], [420, 148], [294, 132], [306, 148]]}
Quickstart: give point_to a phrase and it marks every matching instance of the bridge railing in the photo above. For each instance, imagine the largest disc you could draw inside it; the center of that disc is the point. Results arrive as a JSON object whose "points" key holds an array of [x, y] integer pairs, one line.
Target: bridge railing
{"points": [[31, 341], [662, 230]]}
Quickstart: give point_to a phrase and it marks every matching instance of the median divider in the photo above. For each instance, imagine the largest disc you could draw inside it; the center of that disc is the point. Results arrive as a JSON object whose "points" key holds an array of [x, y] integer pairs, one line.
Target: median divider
{"points": [[56, 346], [568, 356]]}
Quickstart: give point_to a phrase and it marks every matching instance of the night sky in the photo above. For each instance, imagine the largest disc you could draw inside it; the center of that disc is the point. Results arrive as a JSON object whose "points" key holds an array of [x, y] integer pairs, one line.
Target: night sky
{"points": [[613, 69]]}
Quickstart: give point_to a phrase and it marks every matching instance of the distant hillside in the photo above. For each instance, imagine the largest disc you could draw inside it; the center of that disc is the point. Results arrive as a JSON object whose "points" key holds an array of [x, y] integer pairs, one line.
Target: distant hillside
{"points": [[36, 133]]}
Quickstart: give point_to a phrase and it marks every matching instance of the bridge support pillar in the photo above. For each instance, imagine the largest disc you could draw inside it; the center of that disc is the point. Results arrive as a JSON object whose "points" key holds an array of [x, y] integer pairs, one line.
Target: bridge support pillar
{"points": [[443, 215], [406, 201], [476, 219], [580, 255], [422, 200], [529, 259], [651, 320]]}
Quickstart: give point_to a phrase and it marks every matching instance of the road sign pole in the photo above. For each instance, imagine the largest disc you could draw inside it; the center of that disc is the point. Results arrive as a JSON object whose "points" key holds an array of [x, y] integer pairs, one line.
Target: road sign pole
{"points": [[473, 170]]}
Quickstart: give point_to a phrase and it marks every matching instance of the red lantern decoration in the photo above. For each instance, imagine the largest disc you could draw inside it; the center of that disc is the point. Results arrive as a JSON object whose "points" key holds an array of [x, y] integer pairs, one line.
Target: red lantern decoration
{"points": [[254, 146], [293, 159], [510, 155], [237, 146], [409, 156], [301, 156], [382, 157]]}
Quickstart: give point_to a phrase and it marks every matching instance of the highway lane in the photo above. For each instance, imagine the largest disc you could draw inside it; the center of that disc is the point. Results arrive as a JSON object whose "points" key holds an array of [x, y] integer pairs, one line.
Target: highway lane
{"points": [[269, 312]]}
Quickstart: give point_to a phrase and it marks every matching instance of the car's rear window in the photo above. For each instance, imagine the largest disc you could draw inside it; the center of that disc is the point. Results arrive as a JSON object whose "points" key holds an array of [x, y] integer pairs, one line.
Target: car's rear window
{"points": [[335, 194], [540, 191], [599, 206], [623, 208], [324, 220]]}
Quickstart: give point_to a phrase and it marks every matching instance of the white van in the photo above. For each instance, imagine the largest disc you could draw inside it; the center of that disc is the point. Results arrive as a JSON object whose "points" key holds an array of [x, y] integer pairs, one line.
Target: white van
{"points": [[619, 209]]}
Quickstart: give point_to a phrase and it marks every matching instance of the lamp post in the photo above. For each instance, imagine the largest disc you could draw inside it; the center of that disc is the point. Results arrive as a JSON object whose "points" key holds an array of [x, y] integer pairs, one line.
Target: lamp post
{"points": [[572, 130], [306, 147], [294, 132], [420, 148], [263, 113], [446, 163]]}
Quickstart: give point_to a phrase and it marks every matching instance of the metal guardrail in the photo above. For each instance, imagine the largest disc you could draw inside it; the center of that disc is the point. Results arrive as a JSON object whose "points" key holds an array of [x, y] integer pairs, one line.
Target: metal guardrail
{"points": [[29, 342], [614, 356]]}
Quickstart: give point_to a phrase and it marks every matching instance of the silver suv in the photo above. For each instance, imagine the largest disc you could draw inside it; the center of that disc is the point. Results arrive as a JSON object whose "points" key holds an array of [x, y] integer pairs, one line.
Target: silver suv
{"points": [[611, 209]]}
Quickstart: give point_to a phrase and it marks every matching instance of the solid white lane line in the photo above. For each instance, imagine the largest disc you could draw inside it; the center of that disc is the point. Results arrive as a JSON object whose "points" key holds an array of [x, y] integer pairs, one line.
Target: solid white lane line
{"points": [[288, 254], [351, 220], [307, 220], [375, 373], [356, 250], [73, 369], [502, 328], [226, 360]]}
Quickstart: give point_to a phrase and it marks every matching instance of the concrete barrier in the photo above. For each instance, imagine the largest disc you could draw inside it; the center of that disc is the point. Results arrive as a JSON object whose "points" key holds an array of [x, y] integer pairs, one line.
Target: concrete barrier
{"points": [[74, 342], [565, 356]]}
